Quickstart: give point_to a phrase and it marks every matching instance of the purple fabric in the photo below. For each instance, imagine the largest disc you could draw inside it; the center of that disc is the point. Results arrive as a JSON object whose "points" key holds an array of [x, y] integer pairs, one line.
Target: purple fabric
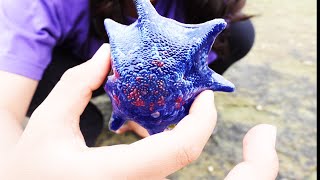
{"points": [[212, 56], [29, 30]]}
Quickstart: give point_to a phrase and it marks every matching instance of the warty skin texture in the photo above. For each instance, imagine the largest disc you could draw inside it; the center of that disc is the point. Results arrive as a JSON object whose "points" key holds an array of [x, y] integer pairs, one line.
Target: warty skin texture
{"points": [[160, 66]]}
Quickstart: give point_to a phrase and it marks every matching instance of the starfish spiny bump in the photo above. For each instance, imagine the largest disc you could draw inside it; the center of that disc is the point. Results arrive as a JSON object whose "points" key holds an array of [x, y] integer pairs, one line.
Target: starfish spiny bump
{"points": [[160, 66]]}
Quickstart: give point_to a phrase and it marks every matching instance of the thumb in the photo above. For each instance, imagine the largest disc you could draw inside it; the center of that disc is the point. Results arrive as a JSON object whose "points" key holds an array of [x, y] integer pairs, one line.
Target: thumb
{"points": [[74, 90], [259, 153]]}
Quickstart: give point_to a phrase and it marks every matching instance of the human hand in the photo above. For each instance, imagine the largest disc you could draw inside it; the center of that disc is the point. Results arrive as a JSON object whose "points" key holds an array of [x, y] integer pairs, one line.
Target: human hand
{"points": [[52, 146]]}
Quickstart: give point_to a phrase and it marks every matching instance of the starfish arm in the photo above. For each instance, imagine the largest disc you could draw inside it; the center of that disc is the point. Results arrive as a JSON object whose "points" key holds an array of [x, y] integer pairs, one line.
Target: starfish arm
{"points": [[115, 122], [113, 28], [211, 29], [219, 83], [145, 9]]}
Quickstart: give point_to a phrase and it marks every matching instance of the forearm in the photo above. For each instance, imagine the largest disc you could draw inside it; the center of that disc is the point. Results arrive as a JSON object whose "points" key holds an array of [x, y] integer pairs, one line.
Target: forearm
{"points": [[15, 97], [10, 130]]}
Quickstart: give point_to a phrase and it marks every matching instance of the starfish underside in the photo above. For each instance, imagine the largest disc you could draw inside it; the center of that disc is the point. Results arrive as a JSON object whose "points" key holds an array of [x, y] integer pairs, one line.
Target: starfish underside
{"points": [[160, 66]]}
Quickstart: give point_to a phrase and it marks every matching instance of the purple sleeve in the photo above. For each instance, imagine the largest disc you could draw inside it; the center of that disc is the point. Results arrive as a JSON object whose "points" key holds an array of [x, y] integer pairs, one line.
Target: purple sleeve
{"points": [[212, 56], [29, 30]]}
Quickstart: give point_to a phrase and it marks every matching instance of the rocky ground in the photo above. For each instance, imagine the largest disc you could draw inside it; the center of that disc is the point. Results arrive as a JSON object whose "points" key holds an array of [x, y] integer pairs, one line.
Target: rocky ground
{"points": [[276, 84]]}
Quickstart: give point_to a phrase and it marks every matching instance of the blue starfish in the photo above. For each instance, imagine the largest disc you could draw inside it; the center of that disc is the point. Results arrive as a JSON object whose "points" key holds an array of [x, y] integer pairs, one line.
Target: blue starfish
{"points": [[160, 66]]}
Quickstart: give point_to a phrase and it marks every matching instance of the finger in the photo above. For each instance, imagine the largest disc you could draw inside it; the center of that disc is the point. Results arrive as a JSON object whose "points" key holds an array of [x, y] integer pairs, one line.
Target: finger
{"points": [[159, 155], [260, 157], [72, 93], [133, 126]]}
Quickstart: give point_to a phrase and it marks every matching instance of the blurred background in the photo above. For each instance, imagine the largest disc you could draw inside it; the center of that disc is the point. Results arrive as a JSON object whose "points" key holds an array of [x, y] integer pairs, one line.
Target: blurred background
{"points": [[276, 84]]}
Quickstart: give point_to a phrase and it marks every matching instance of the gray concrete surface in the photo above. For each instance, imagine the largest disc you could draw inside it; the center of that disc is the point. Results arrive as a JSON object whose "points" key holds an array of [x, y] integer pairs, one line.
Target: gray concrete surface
{"points": [[276, 84]]}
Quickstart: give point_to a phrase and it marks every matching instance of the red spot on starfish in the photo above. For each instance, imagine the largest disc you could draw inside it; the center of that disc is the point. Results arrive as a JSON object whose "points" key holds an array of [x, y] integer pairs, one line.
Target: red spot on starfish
{"points": [[116, 99], [116, 74], [138, 78], [151, 108], [179, 102], [158, 63], [161, 101], [138, 102]]}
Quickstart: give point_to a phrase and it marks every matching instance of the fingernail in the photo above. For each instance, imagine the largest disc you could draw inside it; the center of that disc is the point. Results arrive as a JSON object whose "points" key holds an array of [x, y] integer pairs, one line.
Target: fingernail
{"points": [[117, 131], [209, 95]]}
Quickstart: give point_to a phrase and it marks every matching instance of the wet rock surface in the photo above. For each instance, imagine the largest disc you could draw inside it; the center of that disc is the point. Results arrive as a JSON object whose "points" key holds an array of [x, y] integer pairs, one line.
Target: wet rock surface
{"points": [[276, 84]]}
